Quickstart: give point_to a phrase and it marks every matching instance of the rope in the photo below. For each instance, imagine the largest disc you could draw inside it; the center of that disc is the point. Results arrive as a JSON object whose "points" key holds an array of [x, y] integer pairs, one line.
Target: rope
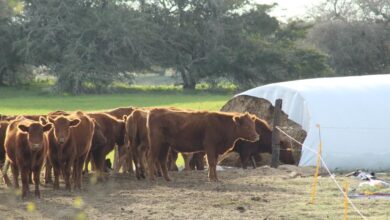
{"points": [[327, 169]]}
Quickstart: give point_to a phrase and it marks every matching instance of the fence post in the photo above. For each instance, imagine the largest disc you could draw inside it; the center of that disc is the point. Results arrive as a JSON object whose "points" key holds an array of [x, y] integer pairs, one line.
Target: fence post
{"points": [[275, 134]]}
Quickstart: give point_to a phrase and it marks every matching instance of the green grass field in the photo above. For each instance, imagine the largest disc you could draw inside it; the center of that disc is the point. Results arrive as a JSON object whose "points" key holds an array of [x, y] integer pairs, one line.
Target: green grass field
{"points": [[33, 100]]}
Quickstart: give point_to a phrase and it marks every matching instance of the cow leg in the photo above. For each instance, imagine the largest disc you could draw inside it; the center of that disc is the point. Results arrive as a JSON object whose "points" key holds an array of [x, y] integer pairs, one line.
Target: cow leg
{"points": [[244, 157], [15, 174], [211, 159], [129, 162], [137, 162], [79, 169], [253, 161], [187, 159], [98, 158], [66, 173], [173, 155], [152, 160], [56, 169], [158, 169], [87, 160], [48, 168], [143, 160], [199, 161], [163, 157], [4, 170], [25, 173], [116, 158], [36, 172]]}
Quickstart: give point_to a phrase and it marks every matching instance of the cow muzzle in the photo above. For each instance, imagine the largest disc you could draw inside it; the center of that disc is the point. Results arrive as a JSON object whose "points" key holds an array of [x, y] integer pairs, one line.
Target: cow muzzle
{"points": [[61, 140]]}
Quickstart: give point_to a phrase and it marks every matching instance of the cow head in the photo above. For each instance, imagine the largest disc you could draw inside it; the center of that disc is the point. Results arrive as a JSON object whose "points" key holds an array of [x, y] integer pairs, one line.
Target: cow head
{"points": [[62, 127], [286, 153], [246, 127], [35, 133]]}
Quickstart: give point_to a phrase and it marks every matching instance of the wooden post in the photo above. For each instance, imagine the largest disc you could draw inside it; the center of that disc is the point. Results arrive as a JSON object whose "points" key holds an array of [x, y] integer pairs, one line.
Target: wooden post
{"points": [[275, 134], [346, 186]]}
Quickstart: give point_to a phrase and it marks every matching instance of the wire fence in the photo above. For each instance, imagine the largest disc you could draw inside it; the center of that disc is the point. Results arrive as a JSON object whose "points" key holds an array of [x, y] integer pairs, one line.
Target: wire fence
{"points": [[327, 170]]}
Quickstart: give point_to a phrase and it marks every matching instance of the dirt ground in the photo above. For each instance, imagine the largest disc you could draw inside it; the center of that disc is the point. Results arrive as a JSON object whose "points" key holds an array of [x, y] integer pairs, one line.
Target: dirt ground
{"points": [[262, 193]]}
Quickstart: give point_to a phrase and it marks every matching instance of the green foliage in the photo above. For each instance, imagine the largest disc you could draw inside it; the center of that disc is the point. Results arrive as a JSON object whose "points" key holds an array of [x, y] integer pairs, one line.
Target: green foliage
{"points": [[85, 43], [355, 34], [89, 45]]}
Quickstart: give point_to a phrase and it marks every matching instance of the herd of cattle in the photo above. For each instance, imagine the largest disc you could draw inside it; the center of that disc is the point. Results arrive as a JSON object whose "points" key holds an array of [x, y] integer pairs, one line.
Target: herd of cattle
{"points": [[149, 138]]}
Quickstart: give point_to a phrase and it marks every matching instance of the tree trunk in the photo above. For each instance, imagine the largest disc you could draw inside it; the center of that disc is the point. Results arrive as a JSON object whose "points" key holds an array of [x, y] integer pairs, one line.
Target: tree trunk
{"points": [[2, 73], [188, 81]]}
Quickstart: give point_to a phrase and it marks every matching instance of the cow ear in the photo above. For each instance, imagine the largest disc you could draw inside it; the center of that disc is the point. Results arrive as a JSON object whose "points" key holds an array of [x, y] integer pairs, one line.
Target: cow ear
{"points": [[47, 127], [23, 128], [74, 122], [236, 120], [43, 120]]}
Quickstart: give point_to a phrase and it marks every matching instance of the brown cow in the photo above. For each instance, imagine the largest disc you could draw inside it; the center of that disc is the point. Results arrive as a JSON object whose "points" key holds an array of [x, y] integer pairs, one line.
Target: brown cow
{"points": [[184, 131], [3, 129], [248, 149], [26, 148], [122, 153], [137, 136], [69, 144], [112, 132]]}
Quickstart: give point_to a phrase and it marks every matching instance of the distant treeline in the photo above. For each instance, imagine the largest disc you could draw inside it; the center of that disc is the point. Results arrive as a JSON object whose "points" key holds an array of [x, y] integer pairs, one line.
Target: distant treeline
{"points": [[93, 43]]}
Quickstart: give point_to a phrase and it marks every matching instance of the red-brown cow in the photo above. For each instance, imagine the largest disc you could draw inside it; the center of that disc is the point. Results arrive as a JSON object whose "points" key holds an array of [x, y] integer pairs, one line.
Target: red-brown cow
{"points": [[69, 143], [112, 132], [184, 131], [122, 155], [137, 136], [26, 147], [3, 129], [247, 149]]}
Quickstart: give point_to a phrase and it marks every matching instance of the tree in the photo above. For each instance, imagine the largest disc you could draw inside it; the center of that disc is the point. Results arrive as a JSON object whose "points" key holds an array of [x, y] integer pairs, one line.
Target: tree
{"points": [[10, 33], [355, 34], [87, 44], [207, 40]]}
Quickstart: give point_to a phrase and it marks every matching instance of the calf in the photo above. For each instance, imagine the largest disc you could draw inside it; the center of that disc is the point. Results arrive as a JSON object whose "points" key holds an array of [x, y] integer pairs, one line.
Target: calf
{"points": [[69, 143], [197, 131], [110, 131], [247, 149], [26, 148]]}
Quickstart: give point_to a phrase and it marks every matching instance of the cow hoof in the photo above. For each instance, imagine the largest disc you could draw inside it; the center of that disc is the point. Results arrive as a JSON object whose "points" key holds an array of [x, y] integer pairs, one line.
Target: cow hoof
{"points": [[37, 194]]}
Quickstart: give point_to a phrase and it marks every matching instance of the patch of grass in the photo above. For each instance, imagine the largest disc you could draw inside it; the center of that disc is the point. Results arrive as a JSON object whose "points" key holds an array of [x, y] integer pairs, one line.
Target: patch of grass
{"points": [[33, 100]]}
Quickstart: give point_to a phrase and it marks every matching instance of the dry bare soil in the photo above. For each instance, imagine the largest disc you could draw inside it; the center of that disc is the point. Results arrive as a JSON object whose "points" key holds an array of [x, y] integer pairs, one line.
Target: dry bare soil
{"points": [[262, 193]]}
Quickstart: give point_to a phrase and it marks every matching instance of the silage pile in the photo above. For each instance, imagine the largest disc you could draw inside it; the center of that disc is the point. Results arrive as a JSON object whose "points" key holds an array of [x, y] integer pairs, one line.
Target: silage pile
{"points": [[265, 110]]}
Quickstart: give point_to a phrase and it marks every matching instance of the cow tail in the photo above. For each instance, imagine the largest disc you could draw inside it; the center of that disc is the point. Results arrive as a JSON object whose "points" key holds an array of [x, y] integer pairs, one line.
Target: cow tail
{"points": [[148, 130]]}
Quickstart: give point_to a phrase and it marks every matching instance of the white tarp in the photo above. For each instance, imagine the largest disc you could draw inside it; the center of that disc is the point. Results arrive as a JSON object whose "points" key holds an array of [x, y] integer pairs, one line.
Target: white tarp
{"points": [[353, 113]]}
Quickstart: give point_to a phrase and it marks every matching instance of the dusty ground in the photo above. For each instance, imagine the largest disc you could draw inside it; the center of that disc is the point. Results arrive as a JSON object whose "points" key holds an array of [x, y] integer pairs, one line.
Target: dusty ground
{"points": [[262, 193]]}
